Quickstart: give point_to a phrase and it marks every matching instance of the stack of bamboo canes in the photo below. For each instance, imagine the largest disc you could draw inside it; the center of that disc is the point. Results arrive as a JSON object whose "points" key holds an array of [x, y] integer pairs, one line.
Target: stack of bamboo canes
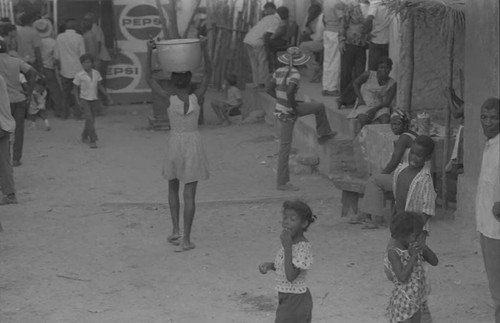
{"points": [[227, 29]]}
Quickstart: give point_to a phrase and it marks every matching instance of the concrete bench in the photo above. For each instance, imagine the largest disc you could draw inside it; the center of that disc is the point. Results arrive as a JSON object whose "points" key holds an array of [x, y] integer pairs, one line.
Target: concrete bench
{"points": [[352, 190]]}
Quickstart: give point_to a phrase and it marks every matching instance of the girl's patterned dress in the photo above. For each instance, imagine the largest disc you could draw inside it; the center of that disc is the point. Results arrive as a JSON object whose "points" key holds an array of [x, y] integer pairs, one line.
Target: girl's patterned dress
{"points": [[294, 298], [410, 297]]}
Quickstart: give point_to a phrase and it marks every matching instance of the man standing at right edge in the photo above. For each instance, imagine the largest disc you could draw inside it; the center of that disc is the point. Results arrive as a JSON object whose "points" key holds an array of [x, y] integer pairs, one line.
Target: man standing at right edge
{"points": [[488, 199]]}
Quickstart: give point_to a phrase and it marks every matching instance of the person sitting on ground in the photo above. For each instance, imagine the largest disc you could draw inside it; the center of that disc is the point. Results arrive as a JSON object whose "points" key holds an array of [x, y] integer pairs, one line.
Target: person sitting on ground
{"points": [[231, 105], [185, 160], [372, 205], [456, 104], [37, 107], [283, 87], [376, 91]]}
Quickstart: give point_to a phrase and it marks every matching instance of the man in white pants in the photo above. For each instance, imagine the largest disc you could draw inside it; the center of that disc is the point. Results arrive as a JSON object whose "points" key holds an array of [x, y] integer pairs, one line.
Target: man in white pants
{"points": [[333, 10]]}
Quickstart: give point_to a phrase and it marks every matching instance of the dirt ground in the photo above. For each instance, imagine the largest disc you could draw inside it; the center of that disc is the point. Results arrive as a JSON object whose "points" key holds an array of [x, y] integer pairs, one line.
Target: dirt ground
{"points": [[87, 242]]}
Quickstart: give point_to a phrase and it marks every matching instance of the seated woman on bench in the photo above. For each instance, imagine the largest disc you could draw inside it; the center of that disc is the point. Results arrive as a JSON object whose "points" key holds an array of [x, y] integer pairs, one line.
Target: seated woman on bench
{"points": [[376, 91], [372, 205]]}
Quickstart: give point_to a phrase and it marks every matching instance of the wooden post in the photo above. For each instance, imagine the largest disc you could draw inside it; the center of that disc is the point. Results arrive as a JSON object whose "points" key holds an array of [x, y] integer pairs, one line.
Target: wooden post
{"points": [[447, 127], [408, 56]]}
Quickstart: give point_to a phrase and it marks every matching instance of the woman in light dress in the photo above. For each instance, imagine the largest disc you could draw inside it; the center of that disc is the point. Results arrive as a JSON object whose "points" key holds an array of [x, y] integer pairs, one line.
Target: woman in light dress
{"points": [[185, 159]]}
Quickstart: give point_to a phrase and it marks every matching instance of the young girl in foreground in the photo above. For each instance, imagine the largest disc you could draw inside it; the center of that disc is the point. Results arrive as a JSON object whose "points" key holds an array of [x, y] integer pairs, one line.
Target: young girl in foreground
{"points": [[406, 253], [291, 265]]}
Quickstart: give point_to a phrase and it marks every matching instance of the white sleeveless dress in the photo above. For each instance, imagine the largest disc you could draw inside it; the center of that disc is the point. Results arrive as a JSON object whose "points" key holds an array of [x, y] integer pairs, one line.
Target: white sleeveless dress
{"points": [[185, 159]]}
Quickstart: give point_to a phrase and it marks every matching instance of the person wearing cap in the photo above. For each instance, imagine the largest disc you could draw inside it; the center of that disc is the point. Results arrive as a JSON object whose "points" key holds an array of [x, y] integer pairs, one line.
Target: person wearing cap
{"points": [[47, 49], [69, 48], [10, 68], [7, 126], [257, 41], [283, 87], [29, 41]]}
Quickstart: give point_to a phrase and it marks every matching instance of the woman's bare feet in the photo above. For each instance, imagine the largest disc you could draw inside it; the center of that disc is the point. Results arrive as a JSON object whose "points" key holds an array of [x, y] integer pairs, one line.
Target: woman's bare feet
{"points": [[185, 246], [174, 239]]}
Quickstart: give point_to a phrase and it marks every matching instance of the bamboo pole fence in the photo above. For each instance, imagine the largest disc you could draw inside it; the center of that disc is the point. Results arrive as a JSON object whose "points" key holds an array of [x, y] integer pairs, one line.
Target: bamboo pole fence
{"points": [[228, 26]]}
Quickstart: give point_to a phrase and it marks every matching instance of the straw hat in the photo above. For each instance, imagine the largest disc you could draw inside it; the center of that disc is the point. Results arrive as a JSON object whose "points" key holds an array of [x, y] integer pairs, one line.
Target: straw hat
{"points": [[43, 27], [294, 57]]}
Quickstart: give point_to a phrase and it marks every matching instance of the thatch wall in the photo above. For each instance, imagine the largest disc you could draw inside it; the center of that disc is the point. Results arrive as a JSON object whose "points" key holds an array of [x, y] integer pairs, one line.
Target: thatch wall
{"points": [[432, 66]]}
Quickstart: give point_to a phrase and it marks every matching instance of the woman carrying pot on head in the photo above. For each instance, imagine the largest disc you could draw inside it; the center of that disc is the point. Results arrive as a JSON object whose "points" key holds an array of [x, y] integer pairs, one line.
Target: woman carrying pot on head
{"points": [[185, 160], [283, 87]]}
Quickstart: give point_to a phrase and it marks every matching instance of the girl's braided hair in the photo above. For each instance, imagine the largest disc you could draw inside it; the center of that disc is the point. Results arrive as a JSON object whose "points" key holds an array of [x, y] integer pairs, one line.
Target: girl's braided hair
{"points": [[302, 209]]}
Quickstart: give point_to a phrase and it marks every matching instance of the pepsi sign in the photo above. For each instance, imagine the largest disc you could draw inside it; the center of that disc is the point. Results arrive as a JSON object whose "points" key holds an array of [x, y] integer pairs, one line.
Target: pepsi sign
{"points": [[124, 73], [140, 22]]}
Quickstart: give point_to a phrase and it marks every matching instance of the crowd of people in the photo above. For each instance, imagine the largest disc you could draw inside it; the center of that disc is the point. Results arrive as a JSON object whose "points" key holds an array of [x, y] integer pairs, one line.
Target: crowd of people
{"points": [[336, 35], [38, 70], [351, 38], [348, 43]]}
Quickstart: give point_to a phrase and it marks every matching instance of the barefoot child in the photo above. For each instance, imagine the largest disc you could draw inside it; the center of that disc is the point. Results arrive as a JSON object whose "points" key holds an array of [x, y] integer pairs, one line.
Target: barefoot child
{"points": [[185, 160], [406, 253], [414, 190], [291, 265], [37, 105], [231, 105], [87, 83]]}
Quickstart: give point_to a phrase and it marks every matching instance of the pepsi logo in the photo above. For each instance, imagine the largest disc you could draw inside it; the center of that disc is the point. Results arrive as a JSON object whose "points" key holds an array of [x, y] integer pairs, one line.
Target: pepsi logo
{"points": [[140, 22], [124, 73]]}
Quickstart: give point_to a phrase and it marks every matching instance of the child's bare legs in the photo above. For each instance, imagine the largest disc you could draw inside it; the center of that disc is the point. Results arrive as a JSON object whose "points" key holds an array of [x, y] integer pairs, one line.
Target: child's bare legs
{"points": [[414, 319], [174, 205], [189, 210]]}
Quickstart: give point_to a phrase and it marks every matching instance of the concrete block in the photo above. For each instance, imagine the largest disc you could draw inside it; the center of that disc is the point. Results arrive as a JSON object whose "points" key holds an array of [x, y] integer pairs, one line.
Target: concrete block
{"points": [[298, 169], [308, 159]]}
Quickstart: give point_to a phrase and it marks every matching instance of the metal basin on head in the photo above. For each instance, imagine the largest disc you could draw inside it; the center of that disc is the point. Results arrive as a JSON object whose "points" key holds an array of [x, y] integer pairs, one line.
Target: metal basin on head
{"points": [[179, 55]]}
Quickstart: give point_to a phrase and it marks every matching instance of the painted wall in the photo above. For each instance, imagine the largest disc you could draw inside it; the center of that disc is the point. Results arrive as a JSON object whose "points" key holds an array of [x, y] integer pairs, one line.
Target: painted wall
{"points": [[482, 81]]}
